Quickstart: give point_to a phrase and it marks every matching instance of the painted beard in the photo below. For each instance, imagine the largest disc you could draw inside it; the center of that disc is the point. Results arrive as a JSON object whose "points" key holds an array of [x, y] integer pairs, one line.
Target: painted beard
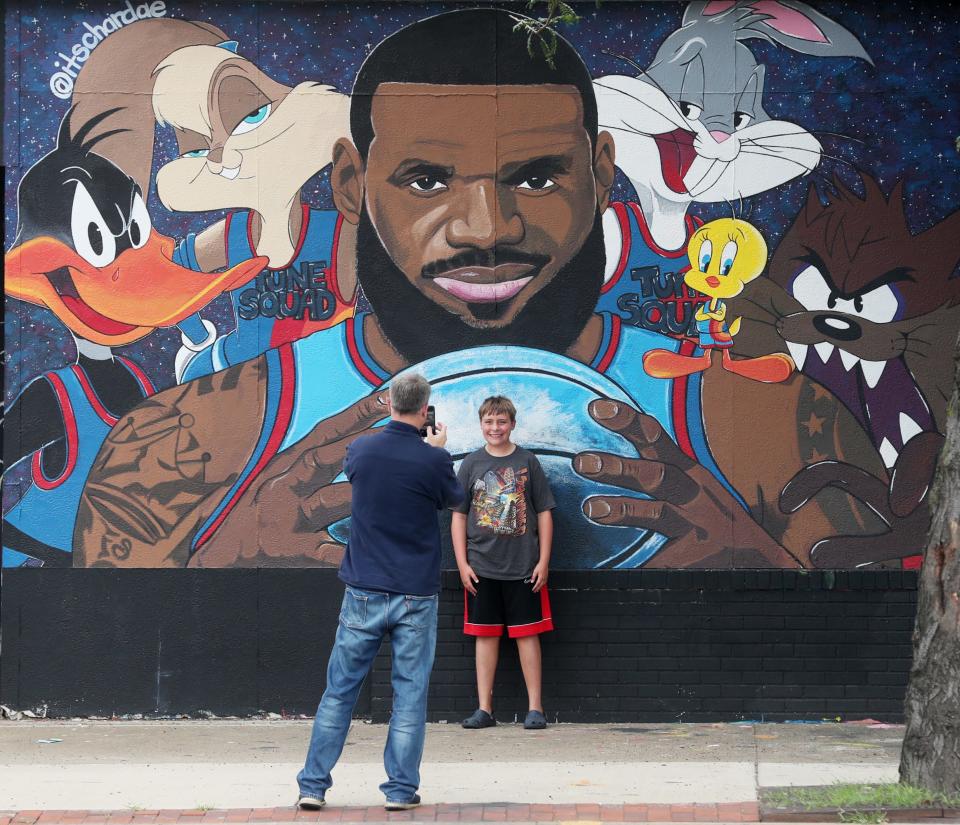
{"points": [[420, 329]]}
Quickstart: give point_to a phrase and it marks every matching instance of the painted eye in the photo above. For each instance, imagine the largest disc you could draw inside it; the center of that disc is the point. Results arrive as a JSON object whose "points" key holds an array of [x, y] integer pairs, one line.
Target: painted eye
{"points": [[92, 238], [139, 226], [879, 305], [196, 153], [537, 183], [253, 120], [727, 257], [811, 289], [428, 184], [706, 254], [741, 119], [690, 110]]}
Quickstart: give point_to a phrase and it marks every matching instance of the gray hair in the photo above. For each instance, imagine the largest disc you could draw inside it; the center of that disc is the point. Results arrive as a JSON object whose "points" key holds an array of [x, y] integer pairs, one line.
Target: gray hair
{"points": [[409, 393]]}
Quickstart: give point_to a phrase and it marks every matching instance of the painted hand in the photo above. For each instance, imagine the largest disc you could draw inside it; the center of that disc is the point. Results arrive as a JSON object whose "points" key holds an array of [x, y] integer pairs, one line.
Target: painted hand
{"points": [[902, 505], [282, 519], [706, 526]]}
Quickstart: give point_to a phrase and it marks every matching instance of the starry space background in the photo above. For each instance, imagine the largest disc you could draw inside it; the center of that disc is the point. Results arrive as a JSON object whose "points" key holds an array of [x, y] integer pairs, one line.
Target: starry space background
{"points": [[895, 119]]}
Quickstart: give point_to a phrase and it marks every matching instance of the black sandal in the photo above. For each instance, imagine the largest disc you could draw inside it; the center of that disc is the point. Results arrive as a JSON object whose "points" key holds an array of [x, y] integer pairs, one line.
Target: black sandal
{"points": [[535, 720], [479, 719]]}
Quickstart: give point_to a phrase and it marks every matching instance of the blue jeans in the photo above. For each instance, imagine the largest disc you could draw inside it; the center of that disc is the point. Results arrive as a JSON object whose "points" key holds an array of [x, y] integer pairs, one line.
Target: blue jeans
{"points": [[365, 617]]}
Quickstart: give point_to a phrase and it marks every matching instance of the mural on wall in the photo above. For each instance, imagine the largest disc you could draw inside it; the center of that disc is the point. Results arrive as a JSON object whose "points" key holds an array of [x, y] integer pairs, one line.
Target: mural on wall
{"points": [[500, 225]]}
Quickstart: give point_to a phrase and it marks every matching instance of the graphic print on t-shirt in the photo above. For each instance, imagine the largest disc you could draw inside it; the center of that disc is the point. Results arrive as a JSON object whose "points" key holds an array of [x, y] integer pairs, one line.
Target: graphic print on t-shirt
{"points": [[499, 502]]}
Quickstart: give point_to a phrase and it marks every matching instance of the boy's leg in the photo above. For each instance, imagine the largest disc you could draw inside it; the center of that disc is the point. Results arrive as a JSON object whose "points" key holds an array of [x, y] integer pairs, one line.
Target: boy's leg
{"points": [[528, 615], [488, 651], [530, 663], [358, 640], [413, 642], [483, 617]]}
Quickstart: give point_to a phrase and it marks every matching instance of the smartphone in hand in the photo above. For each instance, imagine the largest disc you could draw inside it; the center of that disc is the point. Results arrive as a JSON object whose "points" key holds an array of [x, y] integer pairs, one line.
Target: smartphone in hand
{"points": [[430, 428]]}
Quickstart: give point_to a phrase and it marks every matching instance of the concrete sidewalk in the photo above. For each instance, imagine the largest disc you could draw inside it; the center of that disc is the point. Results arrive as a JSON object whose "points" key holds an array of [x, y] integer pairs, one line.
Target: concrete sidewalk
{"points": [[100, 765]]}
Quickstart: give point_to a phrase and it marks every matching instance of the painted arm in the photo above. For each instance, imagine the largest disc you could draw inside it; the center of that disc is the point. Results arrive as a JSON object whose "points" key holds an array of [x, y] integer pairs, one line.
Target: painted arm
{"points": [[193, 439], [35, 417], [202, 252], [704, 312]]}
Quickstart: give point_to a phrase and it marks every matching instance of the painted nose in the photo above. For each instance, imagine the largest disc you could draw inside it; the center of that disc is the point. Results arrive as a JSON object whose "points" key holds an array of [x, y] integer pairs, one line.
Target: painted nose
{"points": [[838, 327], [216, 154], [719, 136]]}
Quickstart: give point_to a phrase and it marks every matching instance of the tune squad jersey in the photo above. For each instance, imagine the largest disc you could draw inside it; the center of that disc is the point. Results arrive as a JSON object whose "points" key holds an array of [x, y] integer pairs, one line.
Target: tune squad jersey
{"points": [[281, 304], [313, 378], [47, 511], [647, 287]]}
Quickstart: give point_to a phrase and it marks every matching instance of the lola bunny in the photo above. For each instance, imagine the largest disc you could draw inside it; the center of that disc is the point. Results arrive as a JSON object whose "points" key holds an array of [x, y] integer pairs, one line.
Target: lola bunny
{"points": [[692, 127]]}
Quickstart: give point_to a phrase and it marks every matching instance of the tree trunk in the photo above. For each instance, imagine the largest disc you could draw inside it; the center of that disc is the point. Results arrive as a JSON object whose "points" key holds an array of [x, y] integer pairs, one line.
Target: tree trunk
{"points": [[931, 746]]}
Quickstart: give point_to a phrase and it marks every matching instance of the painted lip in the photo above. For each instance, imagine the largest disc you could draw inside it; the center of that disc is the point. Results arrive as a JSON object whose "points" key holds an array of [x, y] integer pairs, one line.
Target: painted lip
{"points": [[486, 284], [713, 281], [676, 157]]}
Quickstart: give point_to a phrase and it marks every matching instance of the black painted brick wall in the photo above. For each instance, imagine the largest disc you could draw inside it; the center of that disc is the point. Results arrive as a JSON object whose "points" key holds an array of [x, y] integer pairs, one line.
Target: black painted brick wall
{"points": [[630, 646], [677, 645]]}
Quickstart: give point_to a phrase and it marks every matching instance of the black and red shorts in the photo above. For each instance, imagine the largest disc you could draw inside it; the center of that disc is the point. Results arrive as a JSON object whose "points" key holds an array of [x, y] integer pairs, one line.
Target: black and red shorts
{"points": [[511, 604]]}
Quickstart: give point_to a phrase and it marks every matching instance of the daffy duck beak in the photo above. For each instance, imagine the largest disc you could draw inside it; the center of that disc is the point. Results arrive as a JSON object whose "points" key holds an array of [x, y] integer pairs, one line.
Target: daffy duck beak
{"points": [[140, 290]]}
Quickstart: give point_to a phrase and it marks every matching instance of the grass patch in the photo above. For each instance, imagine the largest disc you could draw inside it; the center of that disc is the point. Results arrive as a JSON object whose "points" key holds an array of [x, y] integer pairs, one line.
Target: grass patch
{"points": [[863, 817], [844, 796]]}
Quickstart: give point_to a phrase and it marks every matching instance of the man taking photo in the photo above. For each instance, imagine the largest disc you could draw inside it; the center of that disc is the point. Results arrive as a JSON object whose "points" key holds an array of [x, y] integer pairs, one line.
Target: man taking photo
{"points": [[391, 568]]}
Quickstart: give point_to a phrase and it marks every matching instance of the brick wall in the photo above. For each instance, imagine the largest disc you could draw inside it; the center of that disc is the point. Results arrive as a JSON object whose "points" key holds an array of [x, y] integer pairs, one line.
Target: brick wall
{"points": [[679, 645], [630, 646]]}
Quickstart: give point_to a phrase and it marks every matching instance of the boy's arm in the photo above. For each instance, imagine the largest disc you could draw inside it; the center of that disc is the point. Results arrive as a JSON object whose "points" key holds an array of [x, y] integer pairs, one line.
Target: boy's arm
{"points": [[458, 533], [543, 502], [545, 534]]}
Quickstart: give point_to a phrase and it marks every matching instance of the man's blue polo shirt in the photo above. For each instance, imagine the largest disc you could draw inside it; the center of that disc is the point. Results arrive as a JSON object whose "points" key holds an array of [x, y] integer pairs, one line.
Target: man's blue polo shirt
{"points": [[399, 483]]}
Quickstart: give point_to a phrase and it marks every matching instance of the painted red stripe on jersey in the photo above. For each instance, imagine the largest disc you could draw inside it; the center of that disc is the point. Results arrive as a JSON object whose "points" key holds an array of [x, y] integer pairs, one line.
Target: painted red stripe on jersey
{"points": [[304, 223], [280, 424], [679, 405], [95, 402], [613, 345], [648, 238], [70, 432], [365, 371], [332, 283], [145, 384], [226, 239], [624, 220]]}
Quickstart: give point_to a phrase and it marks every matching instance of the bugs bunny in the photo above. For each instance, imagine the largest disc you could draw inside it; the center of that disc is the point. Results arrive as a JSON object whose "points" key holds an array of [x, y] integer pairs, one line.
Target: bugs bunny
{"points": [[692, 127]]}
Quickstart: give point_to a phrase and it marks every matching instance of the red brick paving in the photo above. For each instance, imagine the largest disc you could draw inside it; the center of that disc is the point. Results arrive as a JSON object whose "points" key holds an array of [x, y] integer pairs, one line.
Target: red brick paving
{"points": [[726, 812]]}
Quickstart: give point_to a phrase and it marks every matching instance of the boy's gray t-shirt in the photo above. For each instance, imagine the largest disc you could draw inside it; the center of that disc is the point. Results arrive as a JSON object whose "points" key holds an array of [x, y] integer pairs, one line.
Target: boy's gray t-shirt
{"points": [[504, 496]]}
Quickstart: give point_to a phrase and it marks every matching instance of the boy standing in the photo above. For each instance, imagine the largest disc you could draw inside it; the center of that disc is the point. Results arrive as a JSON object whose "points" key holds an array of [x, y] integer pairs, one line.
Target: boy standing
{"points": [[502, 534]]}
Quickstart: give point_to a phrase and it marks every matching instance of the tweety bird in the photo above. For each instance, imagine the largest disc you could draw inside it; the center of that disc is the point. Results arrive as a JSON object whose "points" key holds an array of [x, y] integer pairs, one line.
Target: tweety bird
{"points": [[725, 255]]}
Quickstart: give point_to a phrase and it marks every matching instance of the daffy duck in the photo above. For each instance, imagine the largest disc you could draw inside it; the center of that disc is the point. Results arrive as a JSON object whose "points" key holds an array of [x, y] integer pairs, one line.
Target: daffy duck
{"points": [[86, 250], [725, 255]]}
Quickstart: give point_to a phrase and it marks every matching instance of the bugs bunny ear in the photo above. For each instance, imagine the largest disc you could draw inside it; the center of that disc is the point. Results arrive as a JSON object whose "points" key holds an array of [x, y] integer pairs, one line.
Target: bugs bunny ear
{"points": [[795, 25], [699, 10]]}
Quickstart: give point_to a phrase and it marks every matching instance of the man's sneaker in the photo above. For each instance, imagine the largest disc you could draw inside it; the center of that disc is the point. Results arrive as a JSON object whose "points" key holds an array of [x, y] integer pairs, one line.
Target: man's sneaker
{"points": [[479, 719], [397, 805], [535, 720], [311, 803]]}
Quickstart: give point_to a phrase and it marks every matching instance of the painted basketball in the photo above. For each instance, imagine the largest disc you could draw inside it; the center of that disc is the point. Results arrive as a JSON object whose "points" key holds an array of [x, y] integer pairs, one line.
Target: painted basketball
{"points": [[551, 393]]}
